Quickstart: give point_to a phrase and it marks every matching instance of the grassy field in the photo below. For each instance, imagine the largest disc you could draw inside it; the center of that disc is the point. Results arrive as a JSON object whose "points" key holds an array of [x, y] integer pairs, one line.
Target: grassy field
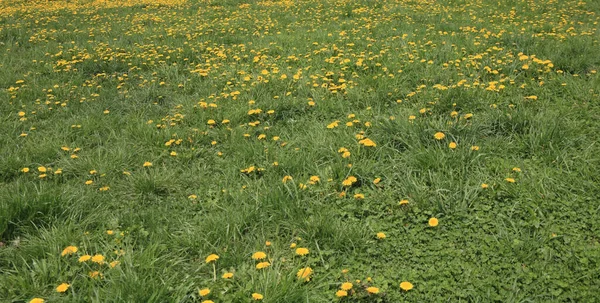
{"points": [[300, 151]]}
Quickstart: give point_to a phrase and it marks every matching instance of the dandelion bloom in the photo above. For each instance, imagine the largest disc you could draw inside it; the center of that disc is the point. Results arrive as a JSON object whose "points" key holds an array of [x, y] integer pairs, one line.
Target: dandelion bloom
{"points": [[227, 275], [262, 265], [69, 250], [257, 296], [510, 180], [452, 145], [380, 235], [98, 259], [212, 258], [208, 301], [373, 290], [204, 292], [147, 164], [376, 181], [346, 286], [301, 251], [85, 258], [406, 286], [304, 273], [433, 222], [37, 300], [367, 142], [439, 136], [259, 255], [293, 245], [341, 293], [484, 186], [63, 287], [403, 202], [113, 264], [286, 178], [25, 169]]}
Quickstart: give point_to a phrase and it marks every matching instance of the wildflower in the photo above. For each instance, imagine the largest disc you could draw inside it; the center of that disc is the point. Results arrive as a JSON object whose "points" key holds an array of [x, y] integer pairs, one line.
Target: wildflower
{"points": [[373, 290], [293, 245], [98, 259], [262, 265], [475, 148], [510, 180], [227, 275], [207, 301], [259, 255], [113, 264], [349, 181], [212, 258], [69, 250], [439, 136], [94, 274], [42, 169], [25, 169], [346, 286], [367, 142], [341, 293], [484, 186], [516, 169], [359, 196], [84, 258], [63, 287], [286, 178], [89, 182], [380, 235], [403, 202], [204, 292], [147, 164], [257, 296], [268, 243], [452, 145], [37, 300], [314, 179], [304, 273], [433, 222], [406, 286], [301, 251]]}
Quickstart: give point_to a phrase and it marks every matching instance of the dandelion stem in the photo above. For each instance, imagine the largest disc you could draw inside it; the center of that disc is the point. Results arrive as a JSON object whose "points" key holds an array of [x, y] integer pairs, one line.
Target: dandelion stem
{"points": [[214, 272]]}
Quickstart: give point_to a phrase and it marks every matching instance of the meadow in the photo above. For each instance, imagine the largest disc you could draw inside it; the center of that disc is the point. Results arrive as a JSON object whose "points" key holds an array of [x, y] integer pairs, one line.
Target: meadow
{"points": [[299, 151]]}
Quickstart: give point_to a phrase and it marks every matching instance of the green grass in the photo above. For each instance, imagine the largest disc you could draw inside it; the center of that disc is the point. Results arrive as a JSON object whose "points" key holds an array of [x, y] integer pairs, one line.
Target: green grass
{"points": [[121, 84]]}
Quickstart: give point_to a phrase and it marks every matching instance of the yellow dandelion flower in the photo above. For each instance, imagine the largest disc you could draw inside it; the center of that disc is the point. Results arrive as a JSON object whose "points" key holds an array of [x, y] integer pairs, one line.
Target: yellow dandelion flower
{"points": [[304, 274], [84, 258], [227, 275], [63, 287], [301, 251], [204, 292], [262, 265], [452, 145], [69, 250], [212, 258], [257, 296], [147, 164], [439, 136], [346, 286], [373, 290], [406, 286], [37, 300], [433, 222], [380, 235], [259, 255], [341, 293], [98, 259]]}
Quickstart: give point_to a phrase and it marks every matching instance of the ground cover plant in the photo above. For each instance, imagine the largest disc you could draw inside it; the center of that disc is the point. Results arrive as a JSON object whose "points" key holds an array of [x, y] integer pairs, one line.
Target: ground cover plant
{"points": [[299, 151]]}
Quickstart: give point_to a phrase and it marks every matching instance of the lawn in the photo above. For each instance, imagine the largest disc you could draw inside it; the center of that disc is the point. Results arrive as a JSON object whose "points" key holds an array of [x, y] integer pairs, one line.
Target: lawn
{"points": [[299, 151]]}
